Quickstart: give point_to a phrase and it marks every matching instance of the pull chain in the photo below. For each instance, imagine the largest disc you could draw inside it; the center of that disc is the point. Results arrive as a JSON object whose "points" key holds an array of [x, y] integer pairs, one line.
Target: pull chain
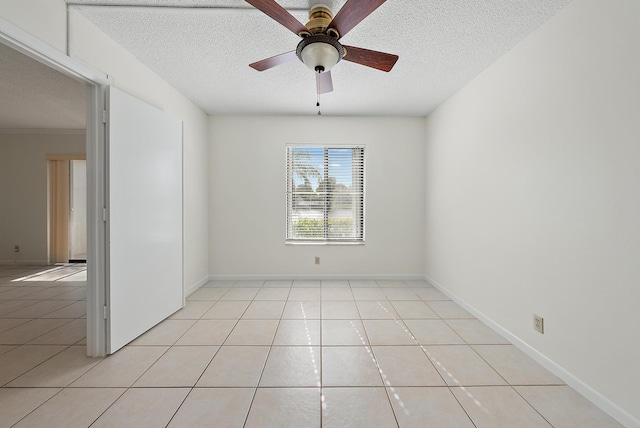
{"points": [[318, 96]]}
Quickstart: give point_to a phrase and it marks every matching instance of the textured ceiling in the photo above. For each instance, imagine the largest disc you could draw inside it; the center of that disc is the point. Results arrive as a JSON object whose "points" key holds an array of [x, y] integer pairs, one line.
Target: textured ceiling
{"points": [[33, 96], [203, 49]]}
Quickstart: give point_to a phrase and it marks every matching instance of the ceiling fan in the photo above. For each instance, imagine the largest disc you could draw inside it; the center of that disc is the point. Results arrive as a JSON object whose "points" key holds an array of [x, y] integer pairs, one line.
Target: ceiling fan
{"points": [[320, 48]]}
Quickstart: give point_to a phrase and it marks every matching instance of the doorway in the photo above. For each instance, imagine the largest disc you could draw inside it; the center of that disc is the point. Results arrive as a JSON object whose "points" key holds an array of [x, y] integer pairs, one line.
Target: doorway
{"points": [[78, 211], [67, 200], [92, 83], [147, 187]]}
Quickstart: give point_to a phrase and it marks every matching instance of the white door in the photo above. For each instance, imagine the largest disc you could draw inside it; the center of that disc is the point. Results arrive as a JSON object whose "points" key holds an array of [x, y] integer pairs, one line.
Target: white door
{"points": [[144, 218]]}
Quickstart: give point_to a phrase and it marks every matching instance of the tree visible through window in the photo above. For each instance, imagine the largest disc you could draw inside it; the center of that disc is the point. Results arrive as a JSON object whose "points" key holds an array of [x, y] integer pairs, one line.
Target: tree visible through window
{"points": [[325, 194]]}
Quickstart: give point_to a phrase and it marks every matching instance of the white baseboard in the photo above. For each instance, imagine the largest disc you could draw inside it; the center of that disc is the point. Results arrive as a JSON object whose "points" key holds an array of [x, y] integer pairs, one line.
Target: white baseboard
{"points": [[310, 277], [195, 287], [589, 393]]}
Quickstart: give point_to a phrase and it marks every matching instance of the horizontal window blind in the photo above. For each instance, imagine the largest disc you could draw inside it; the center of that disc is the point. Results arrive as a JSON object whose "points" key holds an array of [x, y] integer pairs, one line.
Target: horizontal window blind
{"points": [[325, 194]]}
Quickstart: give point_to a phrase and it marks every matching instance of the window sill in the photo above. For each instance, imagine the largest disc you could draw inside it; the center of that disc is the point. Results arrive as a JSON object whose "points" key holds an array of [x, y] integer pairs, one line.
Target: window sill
{"points": [[348, 243]]}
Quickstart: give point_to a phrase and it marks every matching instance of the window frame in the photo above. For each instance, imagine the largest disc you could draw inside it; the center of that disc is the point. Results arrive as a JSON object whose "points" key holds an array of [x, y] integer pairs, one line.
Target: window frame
{"points": [[289, 196]]}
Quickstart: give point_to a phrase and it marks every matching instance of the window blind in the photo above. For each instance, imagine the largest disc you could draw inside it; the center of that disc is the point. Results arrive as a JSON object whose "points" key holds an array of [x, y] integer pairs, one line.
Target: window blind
{"points": [[325, 193]]}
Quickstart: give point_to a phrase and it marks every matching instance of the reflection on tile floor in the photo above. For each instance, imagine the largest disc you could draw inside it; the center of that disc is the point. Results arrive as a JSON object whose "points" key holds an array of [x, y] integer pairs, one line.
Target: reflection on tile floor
{"points": [[273, 354]]}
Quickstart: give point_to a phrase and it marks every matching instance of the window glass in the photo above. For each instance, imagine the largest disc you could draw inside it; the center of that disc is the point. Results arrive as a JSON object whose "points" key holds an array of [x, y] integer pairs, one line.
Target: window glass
{"points": [[325, 194]]}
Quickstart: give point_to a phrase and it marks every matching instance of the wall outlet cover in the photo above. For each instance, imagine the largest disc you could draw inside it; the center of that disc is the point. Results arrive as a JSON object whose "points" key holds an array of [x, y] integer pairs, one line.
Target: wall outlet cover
{"points": [[538, 323]]}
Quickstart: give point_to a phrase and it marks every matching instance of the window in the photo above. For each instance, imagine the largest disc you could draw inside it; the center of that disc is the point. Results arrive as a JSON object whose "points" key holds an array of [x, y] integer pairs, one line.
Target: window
{"points": [[325, 194]]}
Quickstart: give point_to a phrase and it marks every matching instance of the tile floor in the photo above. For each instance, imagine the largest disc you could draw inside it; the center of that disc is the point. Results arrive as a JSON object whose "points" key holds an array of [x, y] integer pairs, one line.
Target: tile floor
{"points": [[276, 354]]}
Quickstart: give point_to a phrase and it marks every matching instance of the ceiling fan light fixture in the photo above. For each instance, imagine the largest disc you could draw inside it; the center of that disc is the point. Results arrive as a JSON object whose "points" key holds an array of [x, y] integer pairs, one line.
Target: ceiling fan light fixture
{"points": [[320, 56], [320, 52]]}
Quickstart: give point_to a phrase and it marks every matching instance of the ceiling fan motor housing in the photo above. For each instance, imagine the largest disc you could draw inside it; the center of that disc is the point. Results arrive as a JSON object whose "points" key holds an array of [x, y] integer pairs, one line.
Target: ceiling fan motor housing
{"points": [[320, 17], [320, 52]]}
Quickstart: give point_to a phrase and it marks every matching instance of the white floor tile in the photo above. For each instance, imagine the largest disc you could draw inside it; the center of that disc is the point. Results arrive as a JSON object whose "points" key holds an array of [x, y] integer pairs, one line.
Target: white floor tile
{"points": [[207, 293], [30, 330], [67, 334], [193, 310], [292, 366], [123, 368], [298, 333], [143, 408], [180, 366], [306, 284], [277, 284], [16, 403], [343, 332], [357, 408], [72, 408], [207, 332], [253, 332], [360, 283], [433, 332], [304, 294], [301, 310], [285, 408], [334, 284], [398, 293], [498, 406], [414, 406], [228, 407], [264, 310], [24, 358], [448, 309], [273, 353], [349, 366], [516, 367], [475, 332], [227, 309], [414, 310], [336, 294], [406, 366], [235, 366], [368, 294], [58, 371], [563, 407], [339, 310], [248, 293], [388, 332], [460, 365], [273, 293], [165, 333], [377, 310]]}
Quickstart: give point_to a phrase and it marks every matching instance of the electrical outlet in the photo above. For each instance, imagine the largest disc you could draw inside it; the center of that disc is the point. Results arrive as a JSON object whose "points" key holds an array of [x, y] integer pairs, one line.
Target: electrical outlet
{"points": [[16, 249], [317, 260], [538, 323]]}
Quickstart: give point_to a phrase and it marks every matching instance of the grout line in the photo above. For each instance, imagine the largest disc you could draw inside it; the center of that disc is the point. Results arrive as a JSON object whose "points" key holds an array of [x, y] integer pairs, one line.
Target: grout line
{"points": [[386, 304]]}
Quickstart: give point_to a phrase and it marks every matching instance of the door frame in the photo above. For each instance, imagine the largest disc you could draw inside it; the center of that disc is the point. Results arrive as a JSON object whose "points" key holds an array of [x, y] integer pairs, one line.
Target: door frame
{"points": [[96, 83]]}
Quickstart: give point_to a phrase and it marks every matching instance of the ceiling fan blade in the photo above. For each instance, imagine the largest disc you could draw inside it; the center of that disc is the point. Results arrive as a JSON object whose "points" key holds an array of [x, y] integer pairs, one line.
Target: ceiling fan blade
{"points": [[352, 13], [280, 14], [374, 59], [324, 82], [268, 63]]}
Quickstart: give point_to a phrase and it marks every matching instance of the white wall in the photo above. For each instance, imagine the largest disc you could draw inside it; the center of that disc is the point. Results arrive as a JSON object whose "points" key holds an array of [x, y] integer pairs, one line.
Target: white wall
{"points": [[45, 19], [247, 197], [91, 45], [532, 200], [23, 192]]}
